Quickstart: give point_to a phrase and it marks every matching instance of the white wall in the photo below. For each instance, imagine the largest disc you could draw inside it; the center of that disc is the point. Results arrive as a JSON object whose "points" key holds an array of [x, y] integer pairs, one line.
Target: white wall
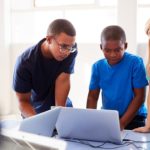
{"points": [[87, 55], [5, 103], [127, 18]]}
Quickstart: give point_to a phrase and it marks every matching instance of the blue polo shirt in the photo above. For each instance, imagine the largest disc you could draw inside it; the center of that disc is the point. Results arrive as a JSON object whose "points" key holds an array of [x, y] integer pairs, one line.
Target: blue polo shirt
{"points": [[118, 81], [36, 74]]}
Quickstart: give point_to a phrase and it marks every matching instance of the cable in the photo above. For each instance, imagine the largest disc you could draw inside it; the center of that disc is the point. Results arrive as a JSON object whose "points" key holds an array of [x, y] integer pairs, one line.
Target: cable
{"points": [[94, 146], [130, 142], [136, 141], [127, 142]]}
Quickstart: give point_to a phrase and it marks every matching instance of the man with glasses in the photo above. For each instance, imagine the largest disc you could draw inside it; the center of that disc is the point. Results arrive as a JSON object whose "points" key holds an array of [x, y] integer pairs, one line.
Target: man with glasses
{"points": [[42, 73]]}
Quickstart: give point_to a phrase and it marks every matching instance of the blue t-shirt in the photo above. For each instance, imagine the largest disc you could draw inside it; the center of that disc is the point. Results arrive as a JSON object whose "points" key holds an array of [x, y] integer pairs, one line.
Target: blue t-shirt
{"points": [[118, 81], [36, 74]]}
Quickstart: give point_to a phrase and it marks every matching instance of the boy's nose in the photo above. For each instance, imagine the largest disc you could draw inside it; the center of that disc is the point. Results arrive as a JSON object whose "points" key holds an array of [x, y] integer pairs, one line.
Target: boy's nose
{"points": [[112, 54]]}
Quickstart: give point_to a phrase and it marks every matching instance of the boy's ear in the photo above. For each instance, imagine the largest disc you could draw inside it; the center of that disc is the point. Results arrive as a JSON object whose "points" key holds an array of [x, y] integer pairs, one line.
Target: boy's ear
{"points": [[100, 46], [125, 45]]}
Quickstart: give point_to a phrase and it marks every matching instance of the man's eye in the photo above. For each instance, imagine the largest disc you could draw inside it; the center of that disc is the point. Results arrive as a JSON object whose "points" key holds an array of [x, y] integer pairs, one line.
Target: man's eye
{"points": [[64, 46]]}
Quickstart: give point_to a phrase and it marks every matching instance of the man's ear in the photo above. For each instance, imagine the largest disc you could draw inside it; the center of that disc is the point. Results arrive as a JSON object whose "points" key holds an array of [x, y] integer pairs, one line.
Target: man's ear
{"points": [[48, 39], [100, 46], [125, 45]]}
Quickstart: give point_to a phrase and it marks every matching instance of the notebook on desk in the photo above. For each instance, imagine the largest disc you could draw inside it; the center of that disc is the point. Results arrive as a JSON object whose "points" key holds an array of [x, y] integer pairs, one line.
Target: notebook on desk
{"points": [[89, 124]]}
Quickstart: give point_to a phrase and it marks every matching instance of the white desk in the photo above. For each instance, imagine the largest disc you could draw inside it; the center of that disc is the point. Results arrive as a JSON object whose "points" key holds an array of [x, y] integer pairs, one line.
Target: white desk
{"points": [[25, 141]]}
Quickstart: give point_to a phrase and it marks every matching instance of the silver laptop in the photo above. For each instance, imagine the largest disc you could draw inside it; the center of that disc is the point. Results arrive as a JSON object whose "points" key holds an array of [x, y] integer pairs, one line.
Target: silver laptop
{"points": [[89, 124], [41, 124]]}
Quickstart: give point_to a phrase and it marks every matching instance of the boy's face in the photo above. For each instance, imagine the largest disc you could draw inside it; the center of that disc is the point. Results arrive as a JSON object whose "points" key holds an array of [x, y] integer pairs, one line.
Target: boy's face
{"points": [[113, 50]]}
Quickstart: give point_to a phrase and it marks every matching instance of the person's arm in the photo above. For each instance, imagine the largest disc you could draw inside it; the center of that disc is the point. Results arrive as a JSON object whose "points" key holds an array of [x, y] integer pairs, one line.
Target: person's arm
{"points": [[92, 99], [24, 104], [148, 62], [146, 128], [62, 87], [148, 105], [132, 109]]}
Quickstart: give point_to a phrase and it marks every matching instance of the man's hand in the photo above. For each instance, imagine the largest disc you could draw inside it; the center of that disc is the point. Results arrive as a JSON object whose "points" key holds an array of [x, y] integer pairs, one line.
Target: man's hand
{"points": [[25, 106]]}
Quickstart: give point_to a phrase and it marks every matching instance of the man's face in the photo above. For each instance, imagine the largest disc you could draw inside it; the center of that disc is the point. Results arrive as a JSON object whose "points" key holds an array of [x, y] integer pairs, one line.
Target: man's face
{"points": [[113, 50], [61, 46]]}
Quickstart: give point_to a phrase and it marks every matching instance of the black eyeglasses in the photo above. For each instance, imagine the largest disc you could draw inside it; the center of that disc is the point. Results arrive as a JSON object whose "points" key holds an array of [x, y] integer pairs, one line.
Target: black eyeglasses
{"points": [[65, 48]]}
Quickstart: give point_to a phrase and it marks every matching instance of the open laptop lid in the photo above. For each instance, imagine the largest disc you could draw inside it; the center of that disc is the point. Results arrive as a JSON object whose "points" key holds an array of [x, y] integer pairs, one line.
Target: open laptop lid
{"points": [[89, 124], [41, 124]]}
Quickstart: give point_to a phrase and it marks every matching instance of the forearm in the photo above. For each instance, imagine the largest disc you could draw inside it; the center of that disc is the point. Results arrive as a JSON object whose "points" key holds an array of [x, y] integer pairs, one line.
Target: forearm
{"points": [[62, 88], [148, 106], [91, 103], [130, 113], [92, 99], [26, 109], [60, 101], [148, 120], [62, 94], [148, 51], [25, 106]]}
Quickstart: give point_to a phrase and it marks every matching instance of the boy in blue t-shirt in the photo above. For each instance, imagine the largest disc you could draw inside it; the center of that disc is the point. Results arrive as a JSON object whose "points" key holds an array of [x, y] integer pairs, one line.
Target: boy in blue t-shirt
{"points": [[121, 78], [42, 72]]}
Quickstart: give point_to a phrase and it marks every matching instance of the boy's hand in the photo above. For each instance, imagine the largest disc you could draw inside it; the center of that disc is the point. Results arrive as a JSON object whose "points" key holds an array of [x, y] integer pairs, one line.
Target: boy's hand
{"points": [[144, 129]]}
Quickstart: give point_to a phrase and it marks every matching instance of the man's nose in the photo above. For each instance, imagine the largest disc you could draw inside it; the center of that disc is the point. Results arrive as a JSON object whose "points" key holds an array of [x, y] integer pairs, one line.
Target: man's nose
{"points": [[66, 54]]}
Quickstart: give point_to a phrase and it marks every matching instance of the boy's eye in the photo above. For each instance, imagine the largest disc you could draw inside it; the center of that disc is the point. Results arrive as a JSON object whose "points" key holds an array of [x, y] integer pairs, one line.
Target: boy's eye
{"points": [[115, 50], [107, 50]]}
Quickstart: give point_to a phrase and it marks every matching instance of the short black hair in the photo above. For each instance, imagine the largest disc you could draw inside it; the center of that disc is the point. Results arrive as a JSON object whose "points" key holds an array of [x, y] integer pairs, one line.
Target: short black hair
{"points": [[113, 32], [61, 25]]}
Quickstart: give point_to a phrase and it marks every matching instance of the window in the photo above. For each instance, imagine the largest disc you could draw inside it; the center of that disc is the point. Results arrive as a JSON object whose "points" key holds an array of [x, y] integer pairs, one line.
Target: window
{"points": [[90, 22], [46, 3], [142, 17], [143, 2], [29, 24]]}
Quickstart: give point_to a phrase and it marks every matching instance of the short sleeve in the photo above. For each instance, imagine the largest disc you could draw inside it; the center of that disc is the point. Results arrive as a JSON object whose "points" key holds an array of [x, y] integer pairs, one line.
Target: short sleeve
{"points": [[22, 76], [95, 78], [139, 74]]}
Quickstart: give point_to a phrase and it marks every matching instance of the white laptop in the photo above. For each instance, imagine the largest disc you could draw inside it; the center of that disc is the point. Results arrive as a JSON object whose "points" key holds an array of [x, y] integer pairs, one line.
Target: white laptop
{"points": [[89, 124], [41, 124]]}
